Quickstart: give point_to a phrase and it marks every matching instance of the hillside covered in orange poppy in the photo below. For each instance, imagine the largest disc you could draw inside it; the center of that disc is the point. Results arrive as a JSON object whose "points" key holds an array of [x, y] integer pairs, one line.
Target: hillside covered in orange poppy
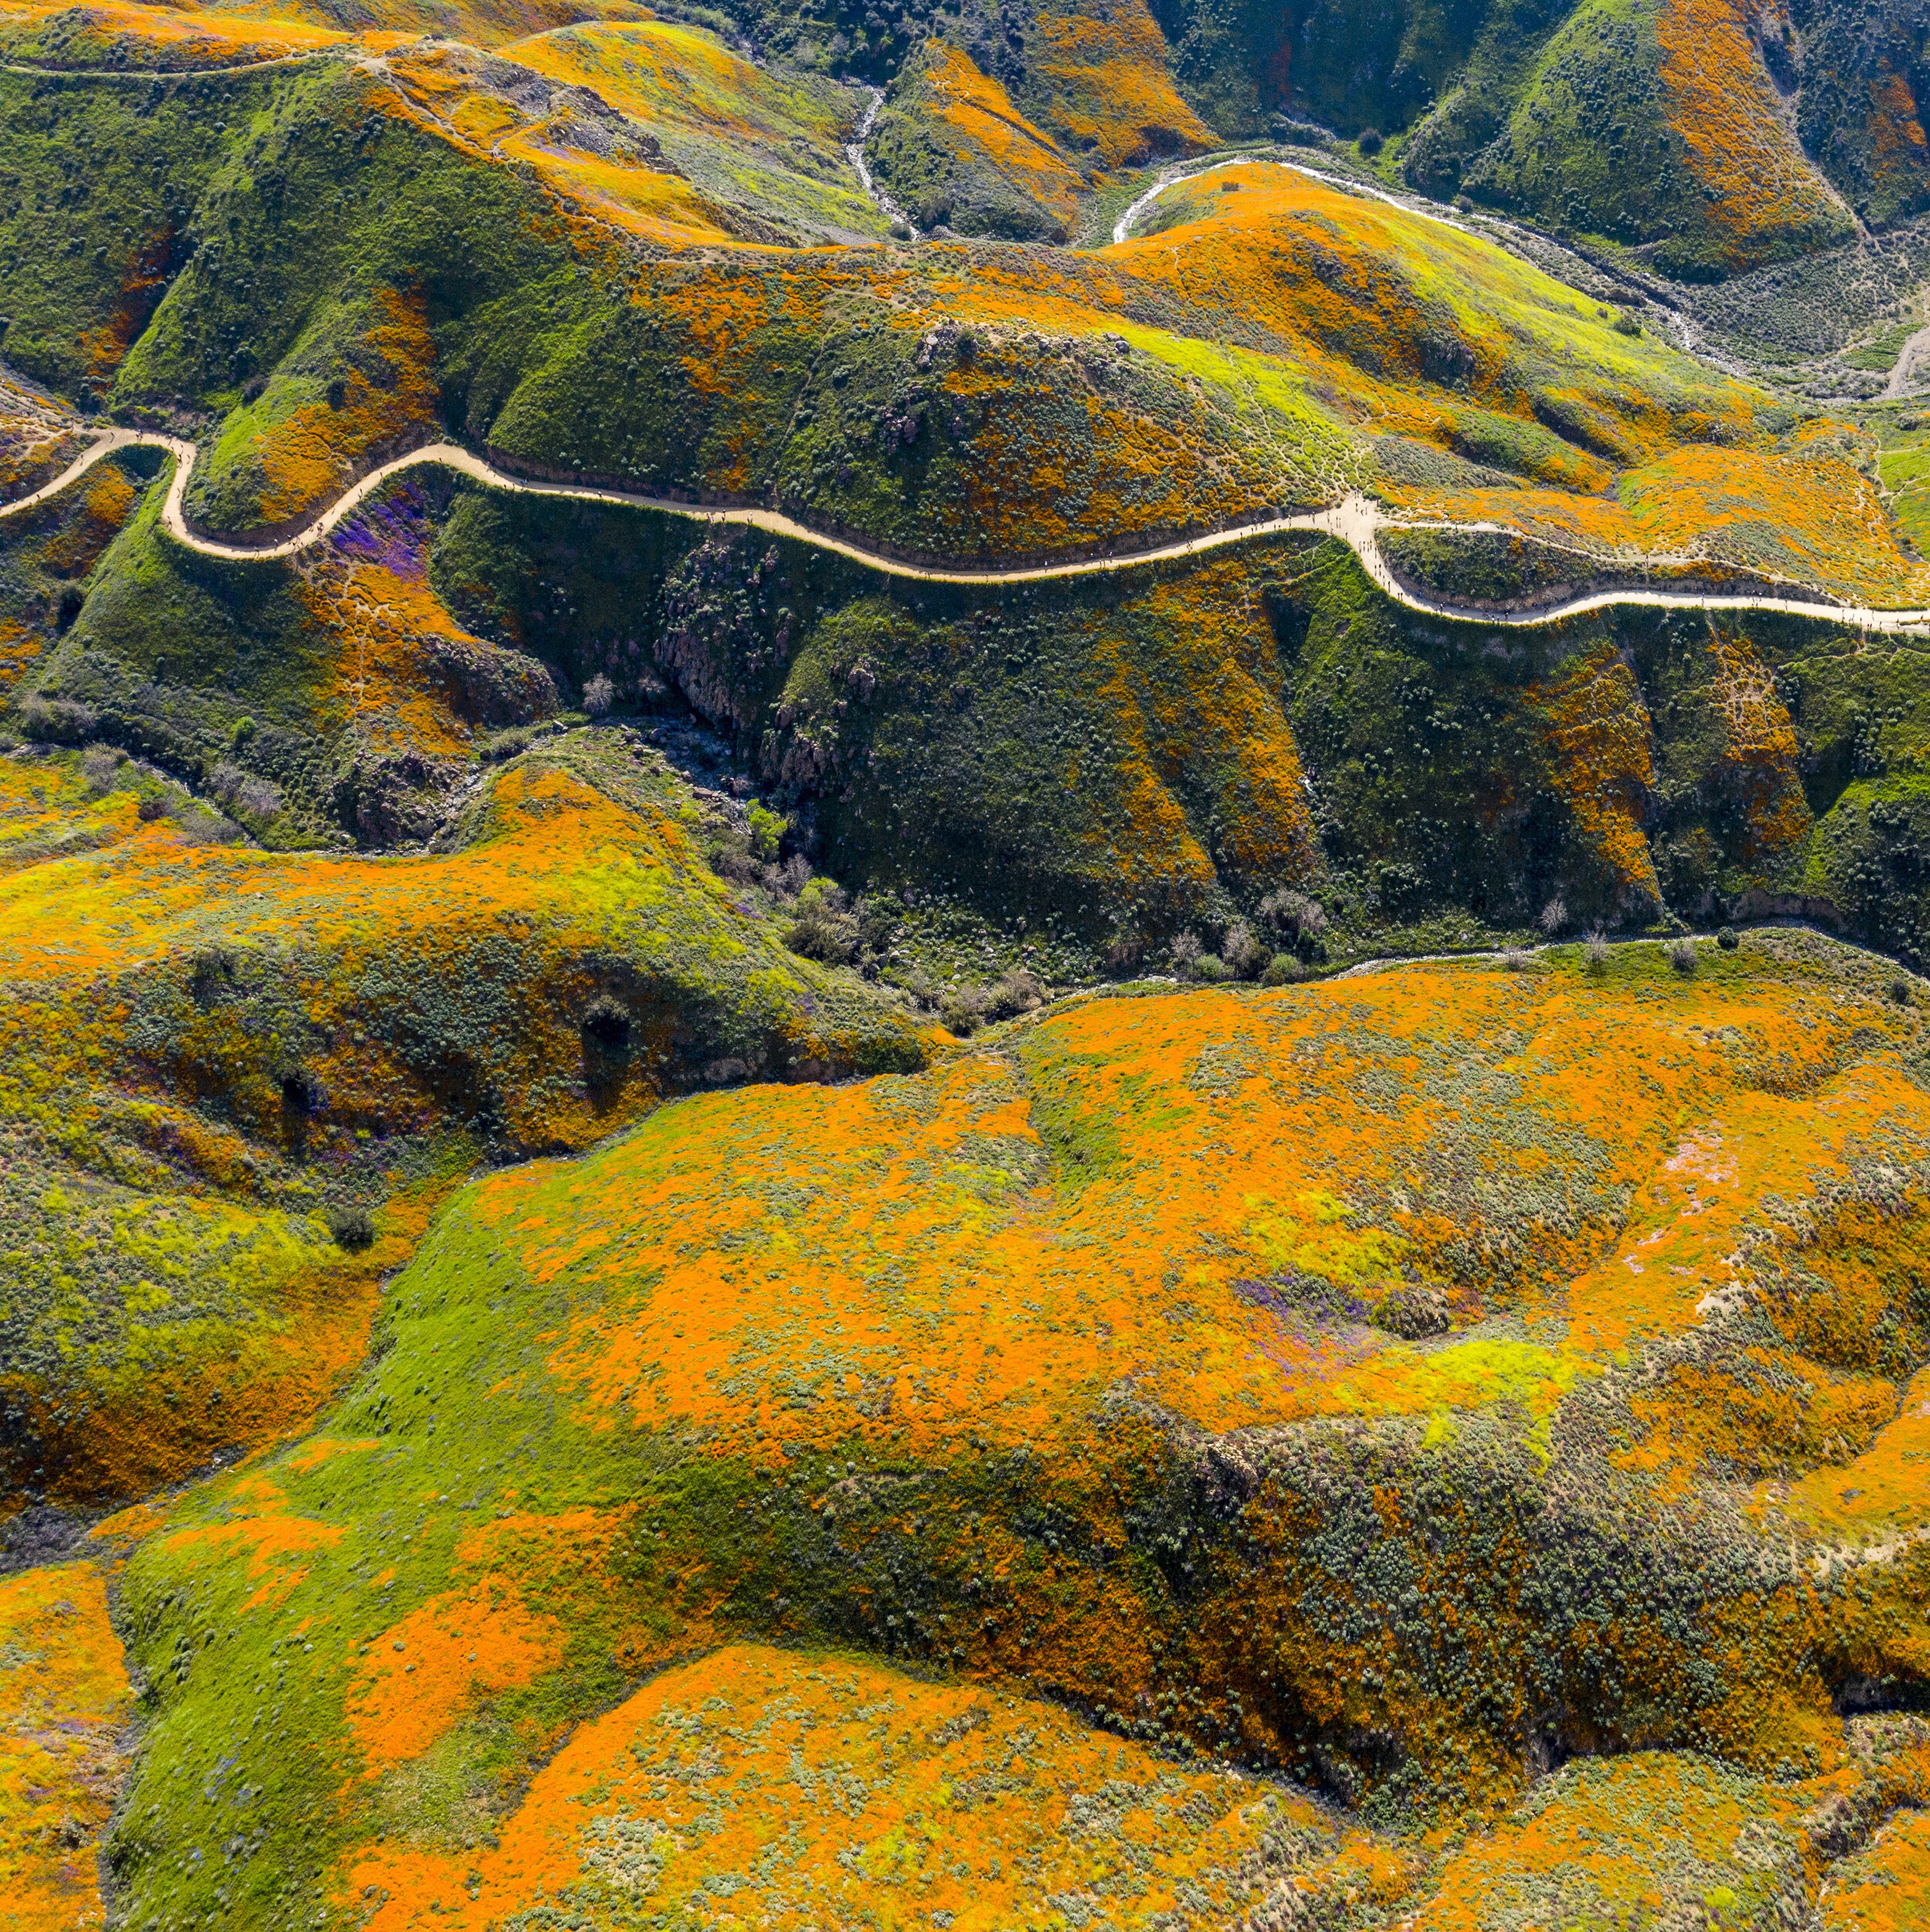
{"points": [[761, 1165]]}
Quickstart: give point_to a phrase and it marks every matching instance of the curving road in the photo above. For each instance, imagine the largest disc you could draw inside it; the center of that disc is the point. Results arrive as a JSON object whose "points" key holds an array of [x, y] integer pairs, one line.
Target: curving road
{"points": [[1356, 521]]}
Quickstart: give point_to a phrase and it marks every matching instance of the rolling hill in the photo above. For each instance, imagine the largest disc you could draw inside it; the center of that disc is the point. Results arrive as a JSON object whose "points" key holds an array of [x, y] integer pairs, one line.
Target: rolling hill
{"points": [[963, 965]]}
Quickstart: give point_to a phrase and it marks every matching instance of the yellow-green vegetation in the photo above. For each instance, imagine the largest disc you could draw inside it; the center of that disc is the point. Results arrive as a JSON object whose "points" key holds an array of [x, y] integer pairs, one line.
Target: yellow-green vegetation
{"points": [[233, 1083], [665, 1350], [765, 149], [1406, 1463]]}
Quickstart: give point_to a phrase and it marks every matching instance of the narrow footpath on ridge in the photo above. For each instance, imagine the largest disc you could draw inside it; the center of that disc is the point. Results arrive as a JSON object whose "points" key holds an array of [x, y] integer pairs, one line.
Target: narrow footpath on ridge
{"points": [[1356, 521]]}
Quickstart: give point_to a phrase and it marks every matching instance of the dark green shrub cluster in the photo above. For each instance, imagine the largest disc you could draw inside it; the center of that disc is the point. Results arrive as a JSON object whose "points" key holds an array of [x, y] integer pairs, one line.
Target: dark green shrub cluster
{"points": [[353, 1226]]}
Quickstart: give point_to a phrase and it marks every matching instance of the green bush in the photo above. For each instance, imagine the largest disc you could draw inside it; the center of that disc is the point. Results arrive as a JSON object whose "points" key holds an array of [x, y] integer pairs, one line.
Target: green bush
{"points": [[352, 1226], [824, 929], [767, 830]]}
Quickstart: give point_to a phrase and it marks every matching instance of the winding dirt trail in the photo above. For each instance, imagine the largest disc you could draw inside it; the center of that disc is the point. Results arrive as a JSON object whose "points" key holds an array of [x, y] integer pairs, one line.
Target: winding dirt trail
{"points": [[1356, 521], [1186, 170]]}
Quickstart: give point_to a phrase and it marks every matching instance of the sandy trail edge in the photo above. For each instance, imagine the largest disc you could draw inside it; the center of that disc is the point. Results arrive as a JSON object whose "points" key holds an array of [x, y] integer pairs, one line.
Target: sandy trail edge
{"points": [[1355, 521]]}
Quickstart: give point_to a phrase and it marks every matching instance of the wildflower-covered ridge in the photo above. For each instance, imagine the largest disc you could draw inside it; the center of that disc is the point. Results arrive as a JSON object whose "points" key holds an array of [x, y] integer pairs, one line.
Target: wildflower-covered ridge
{"points": [[1712, 135], [1563, 1403], [1706, 136], [976, 1803], [980, 1805], [1121, 760], [332, 260], [1128, 1103], [986, 1806], [123, 34], [235, 1082]]}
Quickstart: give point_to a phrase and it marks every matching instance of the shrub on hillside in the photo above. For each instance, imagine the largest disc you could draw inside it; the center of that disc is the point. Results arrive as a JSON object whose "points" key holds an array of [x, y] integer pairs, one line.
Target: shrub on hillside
{"points": [[767, 829], [731, 861], [352, 1226], [1681, 955], [963, 1009], [1017, 991], [1242, 953], [58, 720], [823, 928], [502, 746], [240, 791], [1293, 915], [101, 765]]}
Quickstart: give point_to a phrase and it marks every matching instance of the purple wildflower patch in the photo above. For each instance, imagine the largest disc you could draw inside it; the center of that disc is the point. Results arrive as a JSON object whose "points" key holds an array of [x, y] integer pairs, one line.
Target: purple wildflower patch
{"points": [[1301, 1300], [391, 529]]}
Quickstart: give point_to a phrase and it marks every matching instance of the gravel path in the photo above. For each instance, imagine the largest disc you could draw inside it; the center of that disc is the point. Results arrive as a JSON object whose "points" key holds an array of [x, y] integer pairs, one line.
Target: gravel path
{"points": [[1356, 521]]}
